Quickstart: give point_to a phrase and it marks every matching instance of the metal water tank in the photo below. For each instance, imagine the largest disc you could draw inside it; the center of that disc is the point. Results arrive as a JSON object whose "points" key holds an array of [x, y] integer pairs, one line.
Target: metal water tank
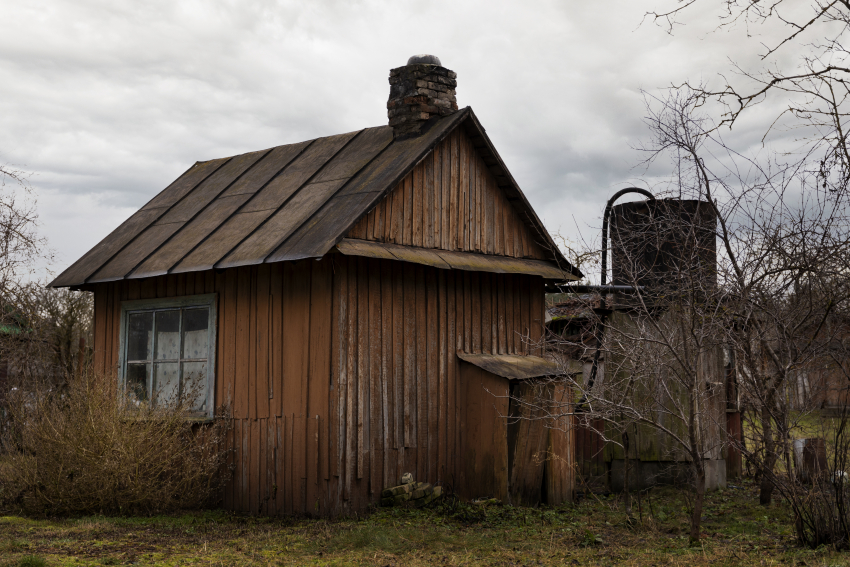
{"points": [[666, 245]]}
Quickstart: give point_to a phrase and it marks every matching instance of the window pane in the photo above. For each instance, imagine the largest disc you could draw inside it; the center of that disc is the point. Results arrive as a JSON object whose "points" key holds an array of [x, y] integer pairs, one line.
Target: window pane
{"points": [[139, 336], [166, 385], [167, 335], [195, 335], [195, 385], [137, 383]]}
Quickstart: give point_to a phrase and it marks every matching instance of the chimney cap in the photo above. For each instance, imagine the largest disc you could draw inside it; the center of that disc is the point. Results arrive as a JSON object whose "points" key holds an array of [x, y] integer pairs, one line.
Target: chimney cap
{"points": [[424, 59]]}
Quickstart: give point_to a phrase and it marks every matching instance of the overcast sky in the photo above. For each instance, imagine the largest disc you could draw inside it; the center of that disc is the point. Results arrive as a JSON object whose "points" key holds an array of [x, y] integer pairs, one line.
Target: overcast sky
{"points": [[106, 102]]}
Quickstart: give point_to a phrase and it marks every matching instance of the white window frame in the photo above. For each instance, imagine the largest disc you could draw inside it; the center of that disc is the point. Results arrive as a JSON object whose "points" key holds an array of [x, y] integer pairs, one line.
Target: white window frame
{"points": [[208, 301]]}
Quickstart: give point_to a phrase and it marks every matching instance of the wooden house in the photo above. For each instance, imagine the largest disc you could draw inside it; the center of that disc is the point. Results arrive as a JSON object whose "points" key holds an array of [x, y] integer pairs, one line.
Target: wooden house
{"points": [[364, 302]]}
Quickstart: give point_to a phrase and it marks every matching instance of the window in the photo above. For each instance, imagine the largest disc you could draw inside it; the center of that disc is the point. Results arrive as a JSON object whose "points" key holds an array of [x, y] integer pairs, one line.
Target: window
{"points": [[168, 352]]}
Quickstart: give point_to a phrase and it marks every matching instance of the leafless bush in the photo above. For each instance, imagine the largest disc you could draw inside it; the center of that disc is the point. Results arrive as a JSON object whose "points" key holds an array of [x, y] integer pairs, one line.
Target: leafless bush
{"points": [[85, 451]]}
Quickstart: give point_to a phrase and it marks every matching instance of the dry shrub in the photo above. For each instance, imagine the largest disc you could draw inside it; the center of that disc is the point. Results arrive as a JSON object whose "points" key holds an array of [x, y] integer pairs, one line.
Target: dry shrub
{"points": [[84, 451]]}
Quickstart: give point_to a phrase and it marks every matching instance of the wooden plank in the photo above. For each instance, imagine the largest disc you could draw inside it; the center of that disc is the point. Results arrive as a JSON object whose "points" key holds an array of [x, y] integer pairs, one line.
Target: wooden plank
{"points": [[432, 372], [271, 478], [517, 311], [436, 204], [491, 195], [134, 290], [454, 192], [321, 346], [498, 219], [350, 469], [363, 368], [387, 385], [263, 358], [501, 332], [101, 308], [418, 205], [230, 464], [445, 195], [463, 203], [114, 329], [280, 463], [486, 313], [453, 342], [409, 356], [254, 397], [465, 282], [428, 209], [245, 397], [148, 289], [373, 401], [299, 463], [407, 210], [399, 355], [338, 365], [485, 452], [392, 220], [170, 287], [296, 300], [313, 463], [530, 438], [222, 397], [244, 466], [289, 470], [560, 467], [254, 467], [442, 416], [231, 392], [421, 367], [519, 367], [276, 317], [525, 312], [537, 306], [475, 311]]}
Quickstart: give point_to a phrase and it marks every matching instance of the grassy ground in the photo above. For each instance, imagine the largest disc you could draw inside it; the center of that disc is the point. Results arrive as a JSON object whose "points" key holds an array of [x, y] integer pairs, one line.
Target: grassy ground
{"points": [[594, 532]]}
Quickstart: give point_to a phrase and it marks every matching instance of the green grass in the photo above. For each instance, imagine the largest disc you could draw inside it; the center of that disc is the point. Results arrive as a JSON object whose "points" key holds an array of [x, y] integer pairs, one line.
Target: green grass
{"points": [[736, 531]]}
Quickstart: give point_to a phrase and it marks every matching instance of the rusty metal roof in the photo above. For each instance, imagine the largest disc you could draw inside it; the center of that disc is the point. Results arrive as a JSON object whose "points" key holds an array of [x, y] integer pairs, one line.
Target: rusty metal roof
{"points": [[285, 203]]}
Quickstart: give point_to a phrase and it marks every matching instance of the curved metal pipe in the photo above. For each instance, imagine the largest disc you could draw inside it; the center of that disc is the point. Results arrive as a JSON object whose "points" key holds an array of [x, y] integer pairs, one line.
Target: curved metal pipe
{"points": [[608, 207], [594, 368]]}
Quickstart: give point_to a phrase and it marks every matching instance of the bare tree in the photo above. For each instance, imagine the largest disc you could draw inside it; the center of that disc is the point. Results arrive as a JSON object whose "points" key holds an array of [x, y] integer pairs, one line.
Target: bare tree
{"points": [[737, 263], [813, 88]]}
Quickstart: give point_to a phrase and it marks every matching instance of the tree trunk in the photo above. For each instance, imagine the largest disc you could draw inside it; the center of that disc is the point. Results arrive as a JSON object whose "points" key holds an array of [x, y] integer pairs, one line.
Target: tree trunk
{"points": [[699, 498], [626, 495], [766, 485]]}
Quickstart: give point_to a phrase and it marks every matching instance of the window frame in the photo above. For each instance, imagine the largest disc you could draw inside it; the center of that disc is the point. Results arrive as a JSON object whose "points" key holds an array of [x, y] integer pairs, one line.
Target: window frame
{"points": [[208, 301]]}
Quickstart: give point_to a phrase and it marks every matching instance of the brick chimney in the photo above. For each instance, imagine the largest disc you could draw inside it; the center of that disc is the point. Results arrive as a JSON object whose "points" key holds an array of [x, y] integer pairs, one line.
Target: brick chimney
{"points": [[419, 91]]}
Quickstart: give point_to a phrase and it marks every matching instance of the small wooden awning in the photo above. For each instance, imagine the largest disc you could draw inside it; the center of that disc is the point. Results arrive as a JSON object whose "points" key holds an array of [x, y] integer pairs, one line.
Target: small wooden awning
{"points": [[449, 260], [515, 366]]}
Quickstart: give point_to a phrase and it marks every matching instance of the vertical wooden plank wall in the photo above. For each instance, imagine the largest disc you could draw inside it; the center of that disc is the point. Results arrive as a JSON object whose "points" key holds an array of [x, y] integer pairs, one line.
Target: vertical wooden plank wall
{"points": [[397, 330], [450, 201], [273, 358], [341, 374]]}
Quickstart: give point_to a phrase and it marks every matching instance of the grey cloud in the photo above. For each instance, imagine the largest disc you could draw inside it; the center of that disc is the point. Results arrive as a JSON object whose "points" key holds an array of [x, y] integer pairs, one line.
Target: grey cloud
{"points": [[108, 101]]}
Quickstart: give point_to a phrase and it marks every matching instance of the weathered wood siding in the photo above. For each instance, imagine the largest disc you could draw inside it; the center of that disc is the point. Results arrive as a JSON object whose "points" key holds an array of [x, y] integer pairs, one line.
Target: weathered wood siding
{"points": [[272, 367], [341, 373], [396, 399], [450, 201]]}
